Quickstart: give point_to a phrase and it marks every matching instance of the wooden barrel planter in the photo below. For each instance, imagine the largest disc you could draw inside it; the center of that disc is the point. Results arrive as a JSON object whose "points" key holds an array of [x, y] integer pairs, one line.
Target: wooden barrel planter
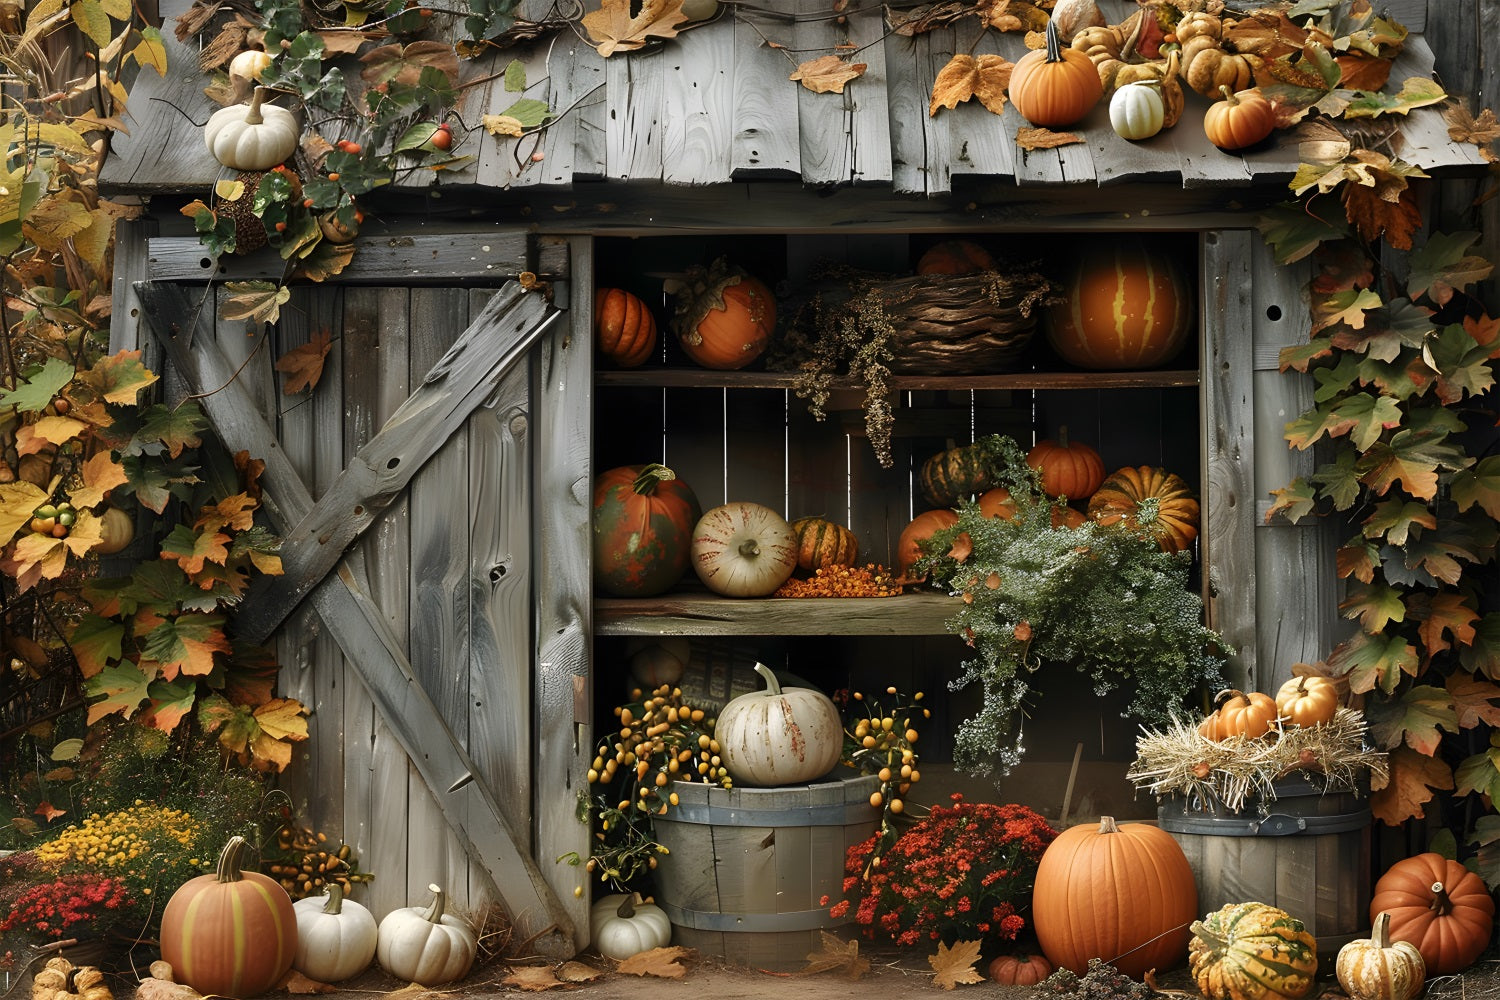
{"points": [[748, 867], [1307, 851]]}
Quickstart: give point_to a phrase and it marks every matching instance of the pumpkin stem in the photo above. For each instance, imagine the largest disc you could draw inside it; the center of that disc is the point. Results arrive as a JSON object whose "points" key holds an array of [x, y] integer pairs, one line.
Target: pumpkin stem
{"points": [[1054, 42], [434, 912], [773, 686], [1062, 437], [750, 548], [1107, 824], [335, 902], [1228, 94], [1381, 934], [627, 905], [1441, 904], [253, 116], [651, 475], [228, 869]]}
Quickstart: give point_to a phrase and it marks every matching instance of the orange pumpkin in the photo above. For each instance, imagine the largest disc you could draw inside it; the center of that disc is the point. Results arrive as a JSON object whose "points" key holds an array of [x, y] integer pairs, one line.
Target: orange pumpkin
{"points": [[955, 257], [1438, 905], [1070, 469], [997, 503], [1020, 970], [821, 543], [1127, 307], [1152, 501], [1239, 120], [624, 329], [1054, 86], [921, 528], [1251, 715], [1308, 701], [724, 316], [1120, 892]]}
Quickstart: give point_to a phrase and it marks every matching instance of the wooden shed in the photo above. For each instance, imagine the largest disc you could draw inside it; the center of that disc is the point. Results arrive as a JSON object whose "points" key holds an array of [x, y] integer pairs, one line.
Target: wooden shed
{"points": [[437, 613]]}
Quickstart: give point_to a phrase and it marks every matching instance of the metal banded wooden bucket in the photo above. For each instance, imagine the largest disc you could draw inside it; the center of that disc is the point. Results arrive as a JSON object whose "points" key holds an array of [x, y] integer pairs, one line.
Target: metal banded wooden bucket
{"points": [[1307, 852], [748, 867]]}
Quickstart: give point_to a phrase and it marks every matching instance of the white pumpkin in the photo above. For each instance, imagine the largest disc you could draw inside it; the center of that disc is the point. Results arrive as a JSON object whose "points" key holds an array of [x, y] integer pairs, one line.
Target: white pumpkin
{"points": [[622, 925], [658, 660], [254, 136], [249, 65], [1136, 111], [779, 736], [1375, 968], [743, 550], [427, 947], [335, 937]]}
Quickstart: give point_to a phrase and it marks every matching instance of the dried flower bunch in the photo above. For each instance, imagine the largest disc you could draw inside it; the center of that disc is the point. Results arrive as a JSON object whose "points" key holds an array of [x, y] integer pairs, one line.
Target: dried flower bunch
{"points": [[964, 872]]}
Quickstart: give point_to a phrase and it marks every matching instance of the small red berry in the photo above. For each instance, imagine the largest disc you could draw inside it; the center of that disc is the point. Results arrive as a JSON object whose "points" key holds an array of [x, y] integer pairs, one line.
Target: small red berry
{"points": [[307, 203], [281, 227], [334, 176], [443, 137]]}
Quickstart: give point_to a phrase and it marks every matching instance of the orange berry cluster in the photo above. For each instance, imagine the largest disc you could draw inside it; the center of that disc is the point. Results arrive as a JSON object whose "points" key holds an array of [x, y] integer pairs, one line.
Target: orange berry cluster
{"points": [[870, 580], [308, 863]]}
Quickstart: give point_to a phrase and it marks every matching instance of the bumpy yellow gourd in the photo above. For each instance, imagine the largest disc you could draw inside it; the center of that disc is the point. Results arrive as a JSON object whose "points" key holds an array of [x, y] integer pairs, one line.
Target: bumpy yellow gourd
{"points": [[254, 136]]}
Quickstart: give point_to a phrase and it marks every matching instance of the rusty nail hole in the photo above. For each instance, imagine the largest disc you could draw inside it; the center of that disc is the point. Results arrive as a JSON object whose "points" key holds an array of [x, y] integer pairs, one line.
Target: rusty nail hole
{"points": [[359, 509]]}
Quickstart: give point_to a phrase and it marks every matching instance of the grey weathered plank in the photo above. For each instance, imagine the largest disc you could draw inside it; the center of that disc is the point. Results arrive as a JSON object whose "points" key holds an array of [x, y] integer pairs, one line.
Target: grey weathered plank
{"points": [[575, 79], [457, 383], [500, 571], [1228, 413], [503, 160], [401, 257], [562, 686], [978, 141], [633, 131], [844, 138], [1424, 133], [766, 125], [375, 765], [366, 638], [908, 614], [921, 144], [872, 115], [698, 107]]}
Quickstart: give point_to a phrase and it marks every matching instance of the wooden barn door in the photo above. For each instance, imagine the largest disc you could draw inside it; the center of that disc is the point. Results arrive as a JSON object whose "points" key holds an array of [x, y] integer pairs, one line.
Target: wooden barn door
{"points": [[402, 486]]}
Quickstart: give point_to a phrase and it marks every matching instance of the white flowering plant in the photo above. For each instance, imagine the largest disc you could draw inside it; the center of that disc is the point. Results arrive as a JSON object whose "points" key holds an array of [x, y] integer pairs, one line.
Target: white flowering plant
{"points": [[1101, 598]]}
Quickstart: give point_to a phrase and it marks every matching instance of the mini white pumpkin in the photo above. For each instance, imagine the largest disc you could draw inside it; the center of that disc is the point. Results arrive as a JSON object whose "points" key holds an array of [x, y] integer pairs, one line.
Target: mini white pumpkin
{"points": [[335, 937], [427, 947], [254, 136], [1375, 968], [1136, 111], [623, 925], [743, 549], [779, 736], [249, 65]]}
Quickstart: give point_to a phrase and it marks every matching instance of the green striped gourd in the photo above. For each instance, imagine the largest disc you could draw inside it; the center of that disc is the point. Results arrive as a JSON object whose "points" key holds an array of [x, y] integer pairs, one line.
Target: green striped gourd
{"points": [[1252, 951], [955, 474], [821, 542], [1124, 307]]}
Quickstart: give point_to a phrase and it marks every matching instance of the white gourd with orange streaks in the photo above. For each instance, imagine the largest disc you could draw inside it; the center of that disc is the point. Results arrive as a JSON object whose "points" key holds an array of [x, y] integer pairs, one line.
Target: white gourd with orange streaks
{"points": [[743, 549], [779, 736]]}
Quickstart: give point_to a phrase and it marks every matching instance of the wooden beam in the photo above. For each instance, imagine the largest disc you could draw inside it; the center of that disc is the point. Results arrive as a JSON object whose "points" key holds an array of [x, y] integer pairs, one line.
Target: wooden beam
{"points": [[373, 650], [509, 324]]}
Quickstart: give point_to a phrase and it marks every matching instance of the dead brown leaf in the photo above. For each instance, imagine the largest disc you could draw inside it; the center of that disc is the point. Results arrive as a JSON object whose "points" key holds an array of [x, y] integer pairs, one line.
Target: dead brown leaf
{"points": [[1374, 213], [659, 962], [986, 77], [1464, 127], [345, 43], [827, 74], [578, 972], [1031, 137], [612, 28], [837, 956], [196, 18], [924, 19], [303, 364], [298, 984], [1012, 15], [533, 979], [955, 965]]}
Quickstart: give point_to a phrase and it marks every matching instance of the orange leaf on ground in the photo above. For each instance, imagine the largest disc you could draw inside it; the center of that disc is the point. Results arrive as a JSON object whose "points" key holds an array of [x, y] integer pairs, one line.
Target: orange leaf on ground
{"points": [[532, 979], [836, 956], [303, 364]]}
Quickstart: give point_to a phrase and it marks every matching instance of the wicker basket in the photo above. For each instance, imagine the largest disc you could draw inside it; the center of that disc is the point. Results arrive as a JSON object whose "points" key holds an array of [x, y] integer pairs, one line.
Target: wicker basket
{"points": [[939, 323]]}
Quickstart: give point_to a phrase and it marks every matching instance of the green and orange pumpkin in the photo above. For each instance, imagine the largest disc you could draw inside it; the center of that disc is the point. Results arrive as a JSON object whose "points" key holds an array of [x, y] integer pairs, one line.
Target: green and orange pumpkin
{"points": [[1126, 307], [956, 473], [643, 526], [1151, 501], [1252, 951], [821, 543]]}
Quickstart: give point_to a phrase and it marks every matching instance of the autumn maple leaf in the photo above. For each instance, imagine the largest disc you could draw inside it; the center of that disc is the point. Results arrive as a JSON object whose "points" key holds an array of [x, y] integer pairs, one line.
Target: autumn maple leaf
{"points": [[827, 74], [955, 965], [303, 364], [613, 29], [985, 77]]}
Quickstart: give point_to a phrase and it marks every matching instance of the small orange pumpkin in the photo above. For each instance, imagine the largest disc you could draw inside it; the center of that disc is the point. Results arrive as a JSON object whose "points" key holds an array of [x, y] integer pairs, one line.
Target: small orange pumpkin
{"points": [[1240, 120], [921, 528], [624, 329], [1054, 86], [724, 316], [955, 257], [821, 542], [1308, 701], [1239, 714], [1070, 469], [1438, 905], [1152, 501], [1020, 970]]}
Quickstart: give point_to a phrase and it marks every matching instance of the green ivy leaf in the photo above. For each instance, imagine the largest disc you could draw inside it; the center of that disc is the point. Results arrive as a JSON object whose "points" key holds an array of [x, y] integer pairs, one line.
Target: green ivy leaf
{"points": [[1394, 519], [91, 19], [186, 644], [1374, 604], [1294, 231], [96, 641], [170, 703], [1392, 379], [1347, 306], [1417, 717], [1364, 418], [1482, 655], [40, 386], [119, 689], [1333, 381], [1479, 486], [1462, 365], [515, 76], [1415, 92], [1299, 356], [1294, 502], [1412, 458], [529, 112], [1479, 773], [1442, 263], [1339, 480], [176, 427], [1371, 661]]}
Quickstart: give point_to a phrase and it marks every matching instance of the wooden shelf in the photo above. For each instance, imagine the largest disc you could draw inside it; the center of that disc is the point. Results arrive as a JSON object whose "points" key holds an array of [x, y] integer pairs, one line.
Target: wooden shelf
{"points": [[700, 378], [705, 614]]}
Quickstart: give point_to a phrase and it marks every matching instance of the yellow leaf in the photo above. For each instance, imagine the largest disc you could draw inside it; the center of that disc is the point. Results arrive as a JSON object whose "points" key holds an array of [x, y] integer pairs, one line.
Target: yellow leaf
{"points": [[87, 532], [151, 53], [267, 562], [827, 74], [62, 137], [17, 502], [92, 241], [229, 189], [117, 9], [57, 430], [501, 124], [100, 474], [283, 719], [42, 19], [42, 554], [955, 965], [613, 29], [53, 220], [91, 19], [11, 184]]}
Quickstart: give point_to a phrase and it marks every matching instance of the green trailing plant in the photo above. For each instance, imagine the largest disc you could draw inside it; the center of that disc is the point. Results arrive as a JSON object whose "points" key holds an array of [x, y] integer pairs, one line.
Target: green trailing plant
{"points": [[1403, 355], [1104, 600]]}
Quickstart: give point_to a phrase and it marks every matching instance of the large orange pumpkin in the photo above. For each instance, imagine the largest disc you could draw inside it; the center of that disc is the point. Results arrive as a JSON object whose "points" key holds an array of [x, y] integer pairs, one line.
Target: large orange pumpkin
{"points": [[624, 329], [1438, 905], [921, 528], [232, 933], [1068, 468], [643, 529], [724, 316], [1149, 500], [955, 257], [1123, 893], [1125, 307]]}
